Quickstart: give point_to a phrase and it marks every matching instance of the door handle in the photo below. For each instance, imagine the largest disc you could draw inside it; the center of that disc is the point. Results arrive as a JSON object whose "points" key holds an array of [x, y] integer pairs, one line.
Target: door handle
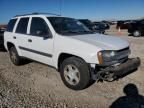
{"points": [[29, 40], [14, 37]]}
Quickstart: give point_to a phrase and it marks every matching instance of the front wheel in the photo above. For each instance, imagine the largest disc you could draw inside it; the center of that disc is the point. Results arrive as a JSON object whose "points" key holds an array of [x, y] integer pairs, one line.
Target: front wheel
{"points": [[75, 73]]}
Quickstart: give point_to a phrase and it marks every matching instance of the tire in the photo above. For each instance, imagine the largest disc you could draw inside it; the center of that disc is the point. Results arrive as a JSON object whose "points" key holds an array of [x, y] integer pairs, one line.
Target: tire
{"points": [[14, 57], [75, 73], [136, 33]]}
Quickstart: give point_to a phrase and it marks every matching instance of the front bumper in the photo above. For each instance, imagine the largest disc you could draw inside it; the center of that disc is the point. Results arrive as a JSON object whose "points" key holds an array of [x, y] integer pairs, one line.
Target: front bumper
{"points": [[119, 70], [128, 66]]}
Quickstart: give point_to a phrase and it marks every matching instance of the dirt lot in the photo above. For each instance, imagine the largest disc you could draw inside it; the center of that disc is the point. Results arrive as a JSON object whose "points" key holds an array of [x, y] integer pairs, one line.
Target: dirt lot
{"points": [[35, 85]]}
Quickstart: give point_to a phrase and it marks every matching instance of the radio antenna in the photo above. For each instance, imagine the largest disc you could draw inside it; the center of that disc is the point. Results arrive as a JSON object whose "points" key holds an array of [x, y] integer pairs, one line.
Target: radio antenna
{"points": [[60, 7]]}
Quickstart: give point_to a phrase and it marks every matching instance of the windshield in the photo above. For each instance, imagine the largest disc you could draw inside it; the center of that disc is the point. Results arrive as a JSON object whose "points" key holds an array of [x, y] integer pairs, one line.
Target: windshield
{"points": [[87, 22], [68, 26]]}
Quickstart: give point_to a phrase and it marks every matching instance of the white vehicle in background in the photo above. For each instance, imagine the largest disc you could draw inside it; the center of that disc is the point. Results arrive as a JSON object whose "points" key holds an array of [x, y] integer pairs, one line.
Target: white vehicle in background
{"points": [[67, 45]]}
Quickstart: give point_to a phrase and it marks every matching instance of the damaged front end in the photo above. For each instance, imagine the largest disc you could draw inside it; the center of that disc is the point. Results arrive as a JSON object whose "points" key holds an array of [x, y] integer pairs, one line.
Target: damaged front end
{"points": [[114, 64], [111, 73]]}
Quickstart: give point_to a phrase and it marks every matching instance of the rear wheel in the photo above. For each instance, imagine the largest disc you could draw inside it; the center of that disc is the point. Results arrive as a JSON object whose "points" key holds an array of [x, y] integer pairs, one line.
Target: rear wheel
{"points": [[75, 73], [136, 33], [14, 57]]}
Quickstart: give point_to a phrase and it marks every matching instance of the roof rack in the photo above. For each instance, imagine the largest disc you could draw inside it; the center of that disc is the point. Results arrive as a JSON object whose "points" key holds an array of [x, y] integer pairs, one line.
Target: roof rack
{"points": [[36, 13]]}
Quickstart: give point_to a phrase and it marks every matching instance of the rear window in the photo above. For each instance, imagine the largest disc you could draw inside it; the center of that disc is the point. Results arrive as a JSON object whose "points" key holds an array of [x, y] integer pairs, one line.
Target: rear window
{"points": [[11, 25], [22, 26]]}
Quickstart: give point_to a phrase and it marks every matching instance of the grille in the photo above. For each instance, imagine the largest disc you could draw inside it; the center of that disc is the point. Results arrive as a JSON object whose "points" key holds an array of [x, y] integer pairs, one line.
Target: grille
{"points": [[123, 54]]}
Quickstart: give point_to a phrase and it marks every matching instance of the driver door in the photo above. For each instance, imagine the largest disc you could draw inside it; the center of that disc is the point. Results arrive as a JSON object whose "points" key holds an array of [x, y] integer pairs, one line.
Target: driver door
{"points": [[40, 41]]}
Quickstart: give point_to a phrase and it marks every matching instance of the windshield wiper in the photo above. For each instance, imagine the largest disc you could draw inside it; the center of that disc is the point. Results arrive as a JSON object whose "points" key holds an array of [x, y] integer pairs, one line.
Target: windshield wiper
{"points": [[78, 32], [70, 31], [87, 31]]}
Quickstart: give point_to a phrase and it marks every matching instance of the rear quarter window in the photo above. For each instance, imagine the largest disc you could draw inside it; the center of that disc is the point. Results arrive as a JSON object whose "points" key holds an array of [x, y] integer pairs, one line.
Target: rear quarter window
{"points": [[22, 26], [11, 25]]}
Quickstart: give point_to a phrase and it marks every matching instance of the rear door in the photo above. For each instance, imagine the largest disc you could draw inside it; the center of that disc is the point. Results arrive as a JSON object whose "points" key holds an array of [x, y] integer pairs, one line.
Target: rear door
{"points": [[21, 36]]}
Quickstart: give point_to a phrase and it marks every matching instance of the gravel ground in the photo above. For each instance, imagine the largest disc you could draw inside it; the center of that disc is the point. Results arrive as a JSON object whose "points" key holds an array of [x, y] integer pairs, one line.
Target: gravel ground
{"points": [[35, 85]]}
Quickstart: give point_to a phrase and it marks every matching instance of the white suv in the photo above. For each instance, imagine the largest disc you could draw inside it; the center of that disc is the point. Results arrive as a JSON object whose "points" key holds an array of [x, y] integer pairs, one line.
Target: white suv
{"points": [[67, 45]]}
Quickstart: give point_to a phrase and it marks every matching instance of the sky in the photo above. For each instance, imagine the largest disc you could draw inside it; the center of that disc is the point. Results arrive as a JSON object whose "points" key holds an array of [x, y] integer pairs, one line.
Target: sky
{"points": [[90, 9]]}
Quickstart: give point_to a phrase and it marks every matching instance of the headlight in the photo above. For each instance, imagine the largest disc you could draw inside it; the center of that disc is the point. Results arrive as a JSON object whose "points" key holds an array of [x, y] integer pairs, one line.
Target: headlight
{"points": [[106, 55]]}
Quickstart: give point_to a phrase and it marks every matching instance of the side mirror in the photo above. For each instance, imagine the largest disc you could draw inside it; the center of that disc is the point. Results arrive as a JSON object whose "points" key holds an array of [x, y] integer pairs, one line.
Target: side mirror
{"points": [[44, 33], [47, 36]]}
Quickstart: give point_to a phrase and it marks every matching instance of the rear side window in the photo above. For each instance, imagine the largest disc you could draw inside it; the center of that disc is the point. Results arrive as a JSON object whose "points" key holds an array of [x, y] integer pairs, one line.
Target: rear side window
{"points": [[11, 25], [22, 26]]}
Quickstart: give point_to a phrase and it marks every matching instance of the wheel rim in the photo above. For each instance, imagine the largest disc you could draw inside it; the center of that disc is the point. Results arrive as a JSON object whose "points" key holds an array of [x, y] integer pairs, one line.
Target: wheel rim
{"points": [[72, 74], [136, 33], [13, 57]]}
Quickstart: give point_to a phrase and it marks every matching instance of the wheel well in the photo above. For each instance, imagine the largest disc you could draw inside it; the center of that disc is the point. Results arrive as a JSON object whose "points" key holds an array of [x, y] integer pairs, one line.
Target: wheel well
{"points": [[9, 45], [64, 56]]}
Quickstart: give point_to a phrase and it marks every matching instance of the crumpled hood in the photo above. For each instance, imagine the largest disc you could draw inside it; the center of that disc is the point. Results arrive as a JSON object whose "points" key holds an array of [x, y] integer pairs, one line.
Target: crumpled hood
{"points": [[105, 42]]}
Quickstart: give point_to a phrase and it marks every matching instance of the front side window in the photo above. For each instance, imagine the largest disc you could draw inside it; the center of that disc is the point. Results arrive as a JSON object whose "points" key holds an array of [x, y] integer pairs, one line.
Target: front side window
{"points": [[11, 25], [22, 26], [63, 25], [39, 27]]}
